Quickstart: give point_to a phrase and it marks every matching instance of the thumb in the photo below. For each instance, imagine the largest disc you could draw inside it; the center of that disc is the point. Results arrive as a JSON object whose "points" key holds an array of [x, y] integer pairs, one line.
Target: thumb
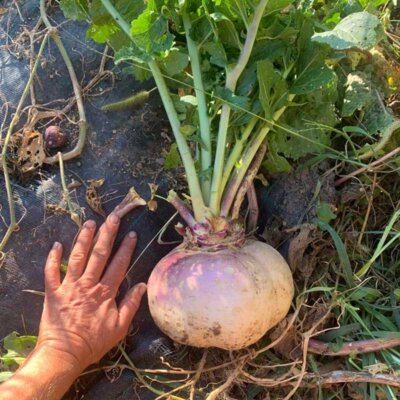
{"points": [[130, 305]]}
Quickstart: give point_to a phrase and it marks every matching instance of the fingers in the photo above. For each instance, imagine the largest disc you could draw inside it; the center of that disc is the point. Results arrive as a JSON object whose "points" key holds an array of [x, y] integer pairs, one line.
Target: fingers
{"points": [[102, 249], [80, 252], [115, 272], [130, 305], [52, 278]]}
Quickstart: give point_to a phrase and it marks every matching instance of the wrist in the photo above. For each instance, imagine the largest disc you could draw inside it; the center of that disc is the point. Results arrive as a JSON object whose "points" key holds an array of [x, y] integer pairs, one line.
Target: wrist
{"points": [[49, 372], [56, 358]]}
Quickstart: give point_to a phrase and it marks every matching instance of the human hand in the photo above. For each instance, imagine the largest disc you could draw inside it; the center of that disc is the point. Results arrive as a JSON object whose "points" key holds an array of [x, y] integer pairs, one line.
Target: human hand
{"points": [[81, 320]]}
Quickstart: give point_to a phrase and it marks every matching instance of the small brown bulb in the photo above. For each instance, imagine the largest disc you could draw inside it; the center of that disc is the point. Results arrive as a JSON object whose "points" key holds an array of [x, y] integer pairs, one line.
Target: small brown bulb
{"points": [[54, 137]]}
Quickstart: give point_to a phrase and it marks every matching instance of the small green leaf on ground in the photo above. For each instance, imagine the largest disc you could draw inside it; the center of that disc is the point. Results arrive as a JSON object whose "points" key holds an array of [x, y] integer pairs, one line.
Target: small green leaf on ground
{"points": [[22, 345], [17, 349], [172, 159], [324, 212]]}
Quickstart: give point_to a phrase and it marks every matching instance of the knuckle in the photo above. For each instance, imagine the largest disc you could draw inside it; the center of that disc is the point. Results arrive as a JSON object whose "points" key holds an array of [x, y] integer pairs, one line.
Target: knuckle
{"points": [[87, 280], [105, 291], [133, 303], [100, 253], [77, 256], [122, 259]]}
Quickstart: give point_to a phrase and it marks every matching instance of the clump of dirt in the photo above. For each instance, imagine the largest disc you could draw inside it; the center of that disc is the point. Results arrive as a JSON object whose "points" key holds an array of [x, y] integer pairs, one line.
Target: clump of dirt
{"points": [[293, 198]]}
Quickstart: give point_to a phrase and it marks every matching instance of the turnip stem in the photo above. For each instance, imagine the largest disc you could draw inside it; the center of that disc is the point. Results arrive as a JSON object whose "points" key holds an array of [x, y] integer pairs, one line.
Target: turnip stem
{"points": [[232, 77], [182, 209], [184, 150], [251, 149], [204, 120], [244, 186], [237, 151], [253, 209]]}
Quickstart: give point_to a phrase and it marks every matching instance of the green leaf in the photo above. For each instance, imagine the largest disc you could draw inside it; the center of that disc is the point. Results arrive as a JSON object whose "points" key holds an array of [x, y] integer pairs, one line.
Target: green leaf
{"points": [[188, 130], [377, 117], [150, 32], [277, 5], [342, 252], [22, 345], [131, 53], [397, 293], [306, 128], [217, 53], [175, 62], [101, 33], [17, 349], [172, 159], [74, 9], [266, 78], [276, 163], [324, 212], [226, 30], [236, 102], [360, 30], [273, 91], [358, 93], [368, 293], [312, 79]]}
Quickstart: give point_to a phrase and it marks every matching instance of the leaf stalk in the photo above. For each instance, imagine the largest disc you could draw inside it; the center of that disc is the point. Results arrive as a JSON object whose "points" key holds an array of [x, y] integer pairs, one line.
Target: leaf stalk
{"points": [[202, 109], [231, 82]]}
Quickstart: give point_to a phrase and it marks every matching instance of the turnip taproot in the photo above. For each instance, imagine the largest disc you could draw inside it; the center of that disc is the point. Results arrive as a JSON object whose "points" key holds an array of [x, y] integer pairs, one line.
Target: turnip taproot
{"points": [[220, 288], [225, 298]]}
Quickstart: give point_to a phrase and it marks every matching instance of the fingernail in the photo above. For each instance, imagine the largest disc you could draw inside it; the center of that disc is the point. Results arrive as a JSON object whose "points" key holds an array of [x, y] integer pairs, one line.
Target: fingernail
{"points": [[132, 235], [141, 288], [90, 224], [56, 245], [113, 218]]}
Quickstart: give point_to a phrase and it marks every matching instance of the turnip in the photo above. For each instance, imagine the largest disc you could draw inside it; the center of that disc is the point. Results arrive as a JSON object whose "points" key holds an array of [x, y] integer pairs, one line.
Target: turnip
{"points": [[220, 287], [226, 298]]}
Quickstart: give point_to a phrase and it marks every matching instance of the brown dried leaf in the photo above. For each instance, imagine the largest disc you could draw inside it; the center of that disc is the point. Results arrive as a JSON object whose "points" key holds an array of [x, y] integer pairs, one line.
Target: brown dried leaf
{"points": [[299, 244], [74, 185], [287, 346], [152, 203], [96, 183], [92, 197], [351, 192], [31, 152], [262, 179], [56, 209]]}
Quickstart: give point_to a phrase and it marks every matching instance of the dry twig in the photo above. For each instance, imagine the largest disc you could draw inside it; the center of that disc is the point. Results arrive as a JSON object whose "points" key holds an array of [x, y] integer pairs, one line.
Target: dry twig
{"points": [[198, 373], [358, 347], [369, 167]]}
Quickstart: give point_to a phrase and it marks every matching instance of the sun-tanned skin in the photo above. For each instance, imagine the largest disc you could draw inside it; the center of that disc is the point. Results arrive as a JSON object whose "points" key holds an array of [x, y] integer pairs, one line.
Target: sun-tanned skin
{"points": [[81, 320]]}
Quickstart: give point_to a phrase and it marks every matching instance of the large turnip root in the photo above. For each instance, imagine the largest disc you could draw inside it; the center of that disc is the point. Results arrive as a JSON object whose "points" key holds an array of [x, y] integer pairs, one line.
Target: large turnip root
{"points": [[226, 298]]}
